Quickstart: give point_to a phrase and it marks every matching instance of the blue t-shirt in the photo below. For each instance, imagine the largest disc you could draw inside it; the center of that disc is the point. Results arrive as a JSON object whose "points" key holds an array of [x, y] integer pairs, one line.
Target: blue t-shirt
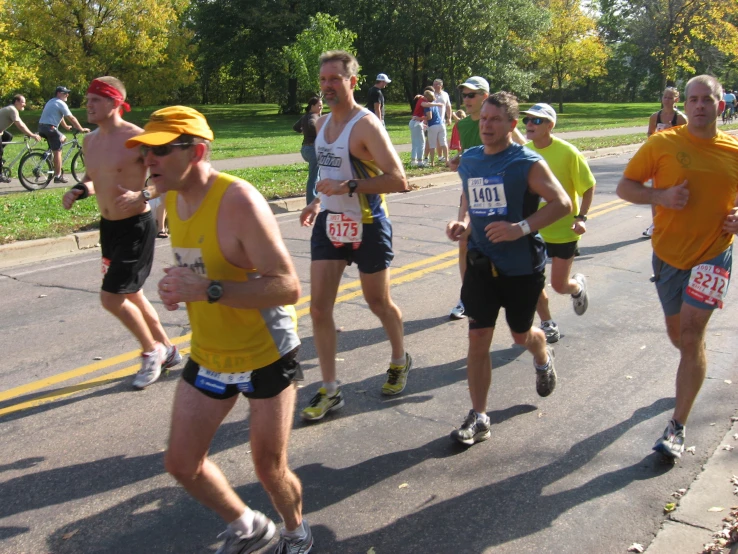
{"points": [[435, 115], [729, 98], [53, 112], [496, 188]]}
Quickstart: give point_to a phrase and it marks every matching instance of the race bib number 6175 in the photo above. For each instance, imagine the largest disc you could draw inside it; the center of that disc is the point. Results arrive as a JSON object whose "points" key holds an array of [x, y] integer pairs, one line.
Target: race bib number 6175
{"points": [[342, 230]]}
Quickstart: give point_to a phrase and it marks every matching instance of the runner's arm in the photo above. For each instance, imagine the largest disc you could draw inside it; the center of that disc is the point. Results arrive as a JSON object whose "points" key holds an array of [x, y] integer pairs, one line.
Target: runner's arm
{"points": [[558, 204], [518, 137], [652, 124], [674, 197]]}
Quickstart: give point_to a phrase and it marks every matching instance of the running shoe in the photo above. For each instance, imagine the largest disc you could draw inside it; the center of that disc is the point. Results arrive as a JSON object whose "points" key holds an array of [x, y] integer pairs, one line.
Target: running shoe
{"points": [[671, 443], [288, 545], [551, 330], [414, 163], [4, 179], [61, 179], [397, 377], [648, 233], [441, 160], [546, 378], [458, 311], [236, 543], [173, 357], [581, 301], [473, 430], [151, 365], [321, 404]]}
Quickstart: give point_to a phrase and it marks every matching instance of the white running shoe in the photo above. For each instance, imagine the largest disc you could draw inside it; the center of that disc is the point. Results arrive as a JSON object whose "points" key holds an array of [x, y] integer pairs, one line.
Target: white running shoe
{"points": [[581, 302], [458, 311], [648, 233], [151, 363]]}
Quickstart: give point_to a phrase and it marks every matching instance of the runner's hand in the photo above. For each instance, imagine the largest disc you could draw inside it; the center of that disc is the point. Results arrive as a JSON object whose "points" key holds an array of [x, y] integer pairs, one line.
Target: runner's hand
{"points": [[503, 231], [579, 227], [674, 198], [128, 200], [181, 284], [70, 197], [453, 163], [455, 230], [331, 187], [730, 225], [309, 213]]}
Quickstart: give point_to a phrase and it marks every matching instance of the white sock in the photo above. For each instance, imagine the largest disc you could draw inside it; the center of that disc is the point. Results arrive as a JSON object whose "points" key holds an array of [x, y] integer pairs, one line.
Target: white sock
{"points": [[551, 322], [399, 361], [299, 533], [244, 525], [482, 417], [543, 367], [331, 387]]}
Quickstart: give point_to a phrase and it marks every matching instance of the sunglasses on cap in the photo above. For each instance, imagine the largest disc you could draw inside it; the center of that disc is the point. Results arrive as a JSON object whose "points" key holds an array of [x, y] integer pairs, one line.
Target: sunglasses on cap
{"points": [[162, 150], [534, 120], [469, 94]]}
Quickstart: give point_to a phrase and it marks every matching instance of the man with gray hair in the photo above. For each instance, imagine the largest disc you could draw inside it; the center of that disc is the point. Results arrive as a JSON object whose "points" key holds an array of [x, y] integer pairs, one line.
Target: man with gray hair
{"points": [[695, 181]]}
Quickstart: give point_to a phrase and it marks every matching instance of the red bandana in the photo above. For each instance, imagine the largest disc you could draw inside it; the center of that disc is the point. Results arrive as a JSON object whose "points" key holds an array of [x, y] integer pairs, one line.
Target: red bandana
{"points": [[106, 91]]}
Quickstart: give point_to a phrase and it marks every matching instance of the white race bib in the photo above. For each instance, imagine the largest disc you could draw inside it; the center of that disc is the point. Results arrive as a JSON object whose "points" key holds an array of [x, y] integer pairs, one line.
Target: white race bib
{"points": [[487, 196], [709, 284], [342, 230], [216, 382]]}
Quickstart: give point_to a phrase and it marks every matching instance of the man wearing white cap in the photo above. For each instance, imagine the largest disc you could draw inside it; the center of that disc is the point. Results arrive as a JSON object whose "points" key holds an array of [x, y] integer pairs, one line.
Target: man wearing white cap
{"points": [[562, 236], [375, 98]]}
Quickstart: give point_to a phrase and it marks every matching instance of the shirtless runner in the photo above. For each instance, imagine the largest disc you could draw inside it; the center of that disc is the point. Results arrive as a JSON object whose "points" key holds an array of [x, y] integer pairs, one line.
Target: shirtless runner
{"points": [[116, 176]]}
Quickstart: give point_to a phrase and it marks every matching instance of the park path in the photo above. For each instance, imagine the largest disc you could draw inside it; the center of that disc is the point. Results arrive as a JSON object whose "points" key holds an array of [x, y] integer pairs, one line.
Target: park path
{"points": [[285, 159]]}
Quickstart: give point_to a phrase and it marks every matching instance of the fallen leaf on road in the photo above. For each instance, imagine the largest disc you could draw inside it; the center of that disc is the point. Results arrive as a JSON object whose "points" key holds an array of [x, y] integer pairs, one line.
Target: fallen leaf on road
{"points": [[728, 382], [726, 447], [643, 347], [735, 437], [371, 551], [734, 419], [97, 358], [716, 509], [43, 295], [67, 536], [670, 507], [628, 376], [404, 486], [339, 329], [691, 449], [635, 547], [339, 359], [713, 424]]}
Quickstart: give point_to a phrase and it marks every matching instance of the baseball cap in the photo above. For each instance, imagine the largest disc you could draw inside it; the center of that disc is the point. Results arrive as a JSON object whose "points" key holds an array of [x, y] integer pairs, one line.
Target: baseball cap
{"points": [[383, 77], [475, 83], [63, 89], [542, 110], [169, 123]]}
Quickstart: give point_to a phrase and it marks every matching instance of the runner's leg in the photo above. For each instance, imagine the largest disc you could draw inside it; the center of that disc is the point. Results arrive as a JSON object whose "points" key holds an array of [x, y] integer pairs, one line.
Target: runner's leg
{"points": [[693, 363], [325, 276], [130, 315], [375, 287]]}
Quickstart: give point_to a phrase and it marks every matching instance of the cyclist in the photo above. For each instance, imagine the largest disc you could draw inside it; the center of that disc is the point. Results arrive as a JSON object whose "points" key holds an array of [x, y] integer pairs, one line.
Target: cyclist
{"points": [[10, 115], [729, 99], [53, 115]]}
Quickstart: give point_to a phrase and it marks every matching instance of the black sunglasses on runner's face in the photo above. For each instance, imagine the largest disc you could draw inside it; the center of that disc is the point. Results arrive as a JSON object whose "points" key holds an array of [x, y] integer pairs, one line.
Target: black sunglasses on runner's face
{"points": [[163, 150], [533, 120], [469, 94]]}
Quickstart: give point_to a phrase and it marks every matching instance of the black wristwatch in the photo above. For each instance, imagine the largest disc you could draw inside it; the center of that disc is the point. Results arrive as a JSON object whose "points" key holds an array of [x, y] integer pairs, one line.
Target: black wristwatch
{"points": [[581, 216], [215, 291], [352, 186], [146, 194]]}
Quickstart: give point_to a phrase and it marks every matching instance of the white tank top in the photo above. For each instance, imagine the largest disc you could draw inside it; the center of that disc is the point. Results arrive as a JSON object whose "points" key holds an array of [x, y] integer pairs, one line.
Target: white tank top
{"points": [[334, 160]]}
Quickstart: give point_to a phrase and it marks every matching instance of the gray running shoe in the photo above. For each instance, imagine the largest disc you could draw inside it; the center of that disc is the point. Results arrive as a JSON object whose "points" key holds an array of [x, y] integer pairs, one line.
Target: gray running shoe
{"points": [[235, 543], [581, 302], [151, 365], [287, 545], [546, 378], [458, 311], [61, 179], [671, 443], [551, 330], [472, 430], [173, 357]]}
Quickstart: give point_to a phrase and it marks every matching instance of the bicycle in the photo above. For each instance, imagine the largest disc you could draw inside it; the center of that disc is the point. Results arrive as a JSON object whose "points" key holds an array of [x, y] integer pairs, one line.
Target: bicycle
{"points": [[27, 149], [728, 113], [36, 169]]}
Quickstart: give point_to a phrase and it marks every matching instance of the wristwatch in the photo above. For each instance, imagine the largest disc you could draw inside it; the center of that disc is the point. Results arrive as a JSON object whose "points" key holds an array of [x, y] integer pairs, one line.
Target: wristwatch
{"points": [[581, 216], [215, 291], [146, 195], [352, 186]]}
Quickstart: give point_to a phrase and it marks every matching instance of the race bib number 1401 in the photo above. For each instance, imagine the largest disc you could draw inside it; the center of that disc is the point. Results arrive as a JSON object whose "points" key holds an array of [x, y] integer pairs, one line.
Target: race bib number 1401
{"points": [[487, 196]]}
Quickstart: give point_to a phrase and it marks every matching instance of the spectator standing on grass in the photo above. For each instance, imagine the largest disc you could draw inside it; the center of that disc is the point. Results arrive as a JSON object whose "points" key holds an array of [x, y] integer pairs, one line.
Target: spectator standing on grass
{"points": [[441, 96], [10, 115], [455, 143], [435, 126], [306, 126], [375, 98]]}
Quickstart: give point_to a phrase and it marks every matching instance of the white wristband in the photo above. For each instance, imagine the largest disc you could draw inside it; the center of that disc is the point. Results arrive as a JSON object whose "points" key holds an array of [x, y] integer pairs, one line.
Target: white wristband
{"points": [[524, 226]]}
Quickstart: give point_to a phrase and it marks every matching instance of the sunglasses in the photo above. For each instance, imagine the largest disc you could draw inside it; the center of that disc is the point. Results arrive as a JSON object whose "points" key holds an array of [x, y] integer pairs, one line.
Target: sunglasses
{"points": [[163, 150], [469, 94], [534, 120]]}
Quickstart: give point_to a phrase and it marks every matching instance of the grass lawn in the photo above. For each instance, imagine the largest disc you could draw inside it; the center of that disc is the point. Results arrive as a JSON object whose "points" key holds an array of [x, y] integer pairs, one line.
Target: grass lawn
{"points": [[258, 129]]}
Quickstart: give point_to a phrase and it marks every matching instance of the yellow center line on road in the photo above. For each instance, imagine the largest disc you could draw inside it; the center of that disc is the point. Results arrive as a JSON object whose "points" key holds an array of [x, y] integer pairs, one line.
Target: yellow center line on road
{"points": [[107, 378]]}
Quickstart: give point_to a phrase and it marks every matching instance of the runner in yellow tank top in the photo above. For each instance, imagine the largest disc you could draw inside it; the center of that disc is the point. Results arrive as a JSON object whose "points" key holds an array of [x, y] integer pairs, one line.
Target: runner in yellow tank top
{"points": [[236, 277]]}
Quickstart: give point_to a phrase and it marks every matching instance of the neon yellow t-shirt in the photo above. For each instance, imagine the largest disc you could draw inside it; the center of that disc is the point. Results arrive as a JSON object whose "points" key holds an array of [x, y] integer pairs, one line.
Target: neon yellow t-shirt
{"points": [[571, 169]]}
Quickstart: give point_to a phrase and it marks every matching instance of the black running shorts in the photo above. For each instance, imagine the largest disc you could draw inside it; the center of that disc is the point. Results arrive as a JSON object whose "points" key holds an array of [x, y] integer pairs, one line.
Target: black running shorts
{"points": [[127, 252]]}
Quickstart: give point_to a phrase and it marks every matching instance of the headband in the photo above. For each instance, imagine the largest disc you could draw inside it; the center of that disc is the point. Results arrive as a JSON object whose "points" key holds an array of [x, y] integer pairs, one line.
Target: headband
{"points": [[106, 91]]}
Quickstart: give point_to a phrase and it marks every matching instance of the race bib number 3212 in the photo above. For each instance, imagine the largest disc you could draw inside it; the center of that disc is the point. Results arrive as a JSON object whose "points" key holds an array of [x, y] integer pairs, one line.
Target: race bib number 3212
{"points": [[487, 196]]}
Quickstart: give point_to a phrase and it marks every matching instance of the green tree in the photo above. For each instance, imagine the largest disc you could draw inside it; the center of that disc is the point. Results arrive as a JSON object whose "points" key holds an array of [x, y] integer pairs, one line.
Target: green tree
{"points": [[570, 49], [142, 42], [17, 66]]}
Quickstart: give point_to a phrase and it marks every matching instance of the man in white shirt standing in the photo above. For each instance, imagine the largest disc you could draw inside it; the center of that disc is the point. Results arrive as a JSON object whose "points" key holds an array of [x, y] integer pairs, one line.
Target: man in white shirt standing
{"points": [[442, 96]]}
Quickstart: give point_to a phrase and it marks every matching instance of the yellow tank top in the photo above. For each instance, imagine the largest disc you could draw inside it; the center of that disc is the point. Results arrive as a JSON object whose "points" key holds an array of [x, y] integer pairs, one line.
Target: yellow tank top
{"points": [[225, 339]]}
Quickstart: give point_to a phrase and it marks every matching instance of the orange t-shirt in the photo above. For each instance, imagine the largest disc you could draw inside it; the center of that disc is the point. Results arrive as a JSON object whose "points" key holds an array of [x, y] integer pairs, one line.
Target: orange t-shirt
{"points": [[687, 237]]}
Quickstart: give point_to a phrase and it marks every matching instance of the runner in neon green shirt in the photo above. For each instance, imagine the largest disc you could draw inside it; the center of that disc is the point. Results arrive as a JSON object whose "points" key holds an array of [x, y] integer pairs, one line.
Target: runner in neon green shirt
{"points": [[562, 237]]}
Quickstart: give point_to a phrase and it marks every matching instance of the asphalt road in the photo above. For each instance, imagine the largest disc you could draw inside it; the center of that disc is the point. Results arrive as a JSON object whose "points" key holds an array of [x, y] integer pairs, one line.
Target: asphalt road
{"points": [[82, 471]]}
